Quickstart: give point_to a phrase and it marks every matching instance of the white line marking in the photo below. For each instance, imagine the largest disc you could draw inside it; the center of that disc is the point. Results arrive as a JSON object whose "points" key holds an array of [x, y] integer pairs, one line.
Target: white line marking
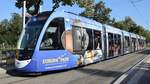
{"points": [[136, 77], [120, 79]]}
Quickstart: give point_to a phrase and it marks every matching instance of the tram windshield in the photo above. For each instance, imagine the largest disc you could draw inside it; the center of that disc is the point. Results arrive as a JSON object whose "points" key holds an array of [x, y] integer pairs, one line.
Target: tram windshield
{"points": [[32, 32]]}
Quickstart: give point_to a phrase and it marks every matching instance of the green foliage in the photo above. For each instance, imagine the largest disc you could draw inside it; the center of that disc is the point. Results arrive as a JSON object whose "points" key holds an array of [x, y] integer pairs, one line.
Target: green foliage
{"points": [[129, 25], [31, 5], [10, 30], [89, 8], [98, 12]]}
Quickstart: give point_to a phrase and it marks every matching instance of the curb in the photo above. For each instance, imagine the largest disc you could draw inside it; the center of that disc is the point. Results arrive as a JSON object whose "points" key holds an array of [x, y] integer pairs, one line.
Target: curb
{"points": [[2, 71]]}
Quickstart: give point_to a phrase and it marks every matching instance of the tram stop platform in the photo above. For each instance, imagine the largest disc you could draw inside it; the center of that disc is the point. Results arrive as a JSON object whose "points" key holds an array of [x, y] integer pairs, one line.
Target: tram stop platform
{"points": [[138, 74]]}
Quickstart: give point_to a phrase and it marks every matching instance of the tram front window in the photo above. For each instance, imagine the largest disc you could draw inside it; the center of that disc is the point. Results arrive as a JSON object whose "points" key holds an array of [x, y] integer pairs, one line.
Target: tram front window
{"points": [[30, 36], [32, 32]]}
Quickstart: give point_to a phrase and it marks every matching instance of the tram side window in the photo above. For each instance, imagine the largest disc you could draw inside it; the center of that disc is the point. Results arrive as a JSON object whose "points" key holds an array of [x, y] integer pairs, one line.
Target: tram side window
{"points": [[111, 44], [91, 43], [138, 41], [142, 43], [81, 39], [76, 38], [119, 39], [52, 36], [133, 42], [115, 40], [97, 39], [127, 43], [110, 39], [117, 43]]}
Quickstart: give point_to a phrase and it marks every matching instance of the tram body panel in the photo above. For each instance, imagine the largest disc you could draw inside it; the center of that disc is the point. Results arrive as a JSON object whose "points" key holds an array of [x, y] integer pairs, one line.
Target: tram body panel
{"points": [[57, 60]]}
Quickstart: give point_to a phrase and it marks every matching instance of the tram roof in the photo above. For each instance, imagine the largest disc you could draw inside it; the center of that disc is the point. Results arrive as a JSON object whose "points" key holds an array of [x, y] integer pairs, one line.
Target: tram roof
{"points": [[126, 33], [87, 22], [77, 20], [133, 35], [112, 29]]}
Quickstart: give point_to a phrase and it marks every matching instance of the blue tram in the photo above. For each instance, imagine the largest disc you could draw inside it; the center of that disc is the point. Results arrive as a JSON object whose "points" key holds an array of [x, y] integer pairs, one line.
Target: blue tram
{"points": [[62, 40]]}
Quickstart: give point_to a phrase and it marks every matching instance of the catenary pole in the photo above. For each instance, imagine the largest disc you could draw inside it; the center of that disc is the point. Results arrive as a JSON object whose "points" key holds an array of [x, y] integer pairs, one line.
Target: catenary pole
{"points": [[24, 14]]}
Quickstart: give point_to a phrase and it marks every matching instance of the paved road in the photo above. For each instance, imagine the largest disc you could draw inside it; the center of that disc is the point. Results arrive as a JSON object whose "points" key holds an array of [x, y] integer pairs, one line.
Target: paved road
{"points": [[139, 74], [100, 73]]}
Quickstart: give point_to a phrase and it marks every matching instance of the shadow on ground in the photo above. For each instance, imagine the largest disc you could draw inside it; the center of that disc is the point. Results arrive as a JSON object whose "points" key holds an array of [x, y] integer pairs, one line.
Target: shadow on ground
{"points": [[145, 52], [98, 72], [25, 74]]}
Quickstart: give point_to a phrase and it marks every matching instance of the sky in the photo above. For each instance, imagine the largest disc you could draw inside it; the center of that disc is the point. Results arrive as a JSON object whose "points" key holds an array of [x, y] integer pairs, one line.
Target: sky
{"points": [[139, 12]]}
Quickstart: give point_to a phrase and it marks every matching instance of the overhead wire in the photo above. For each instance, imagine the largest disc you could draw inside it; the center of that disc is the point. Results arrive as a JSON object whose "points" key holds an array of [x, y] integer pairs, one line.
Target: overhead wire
{"points": [[138, 11], [137, 1]]}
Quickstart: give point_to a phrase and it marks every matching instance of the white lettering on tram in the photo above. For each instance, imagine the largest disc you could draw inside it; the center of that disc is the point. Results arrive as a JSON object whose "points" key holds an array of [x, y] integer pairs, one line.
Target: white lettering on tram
{"points": [[55, 60]]}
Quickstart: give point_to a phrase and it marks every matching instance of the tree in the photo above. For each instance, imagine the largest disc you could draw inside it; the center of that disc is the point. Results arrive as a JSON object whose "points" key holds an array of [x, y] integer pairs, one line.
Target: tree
{"points": [[89, 9], [127, 24], [4, 26], [10, 30], [34, 5], [3, 29], [119, 24], [31, 5], [98, 12], [16, 24]]}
